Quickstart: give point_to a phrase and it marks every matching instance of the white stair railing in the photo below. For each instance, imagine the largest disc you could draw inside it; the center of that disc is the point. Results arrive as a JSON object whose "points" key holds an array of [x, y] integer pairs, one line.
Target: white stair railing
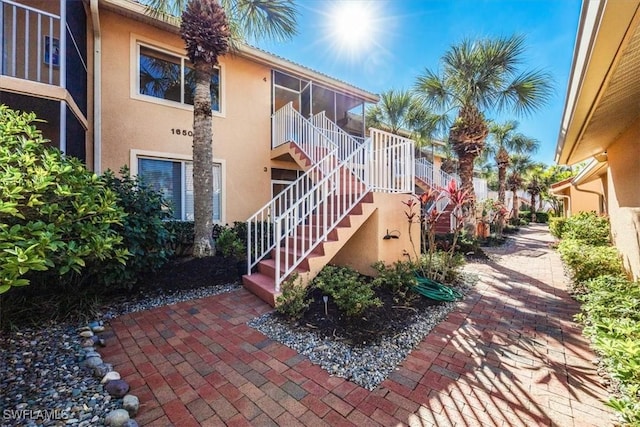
{"points": [[294, 222], [392, 166], [288, 125], [313, 216], [346, 143]]}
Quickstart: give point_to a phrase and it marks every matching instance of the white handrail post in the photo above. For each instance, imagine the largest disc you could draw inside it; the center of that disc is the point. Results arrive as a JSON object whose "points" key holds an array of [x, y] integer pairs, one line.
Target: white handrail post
{"points": [[277, 253]]}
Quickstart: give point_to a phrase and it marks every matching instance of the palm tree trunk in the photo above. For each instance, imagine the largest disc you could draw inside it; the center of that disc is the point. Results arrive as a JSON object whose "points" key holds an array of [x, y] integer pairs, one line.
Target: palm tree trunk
{"points": [[466, 177], [202, 163], [533, 207], [502, 182], [515, 210]]}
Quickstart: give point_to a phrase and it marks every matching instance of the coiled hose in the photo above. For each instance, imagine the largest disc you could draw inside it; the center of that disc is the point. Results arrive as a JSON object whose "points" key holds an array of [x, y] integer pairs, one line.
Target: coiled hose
{"points": [[436, 291]]}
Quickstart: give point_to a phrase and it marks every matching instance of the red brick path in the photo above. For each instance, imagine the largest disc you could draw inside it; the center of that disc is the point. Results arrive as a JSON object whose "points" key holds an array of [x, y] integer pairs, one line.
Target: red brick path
{"points": [[510, 355]]}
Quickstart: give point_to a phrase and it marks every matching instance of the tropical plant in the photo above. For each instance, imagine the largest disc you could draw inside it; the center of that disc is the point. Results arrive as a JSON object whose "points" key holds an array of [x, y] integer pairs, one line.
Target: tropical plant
{"points": [[294, 300], [535, 186], [208, 29], [519, 166], [478, 77], [504, 140], [55, 216], [400, 112], [351, 294], [144, 229]]}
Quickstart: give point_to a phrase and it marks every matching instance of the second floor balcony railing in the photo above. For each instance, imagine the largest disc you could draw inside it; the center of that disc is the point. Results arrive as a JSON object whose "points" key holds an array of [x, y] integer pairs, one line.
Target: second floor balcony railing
{"points": [[32, 46]]}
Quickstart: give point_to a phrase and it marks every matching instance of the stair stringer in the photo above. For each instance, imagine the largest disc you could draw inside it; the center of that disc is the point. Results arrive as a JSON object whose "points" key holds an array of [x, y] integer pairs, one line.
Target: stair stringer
{"points": [[262, 283]]}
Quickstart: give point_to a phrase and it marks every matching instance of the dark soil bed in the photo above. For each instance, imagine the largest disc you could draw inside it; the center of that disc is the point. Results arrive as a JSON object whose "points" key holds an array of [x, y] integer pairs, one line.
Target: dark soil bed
{"points": [[375, 324], [189, 273]]}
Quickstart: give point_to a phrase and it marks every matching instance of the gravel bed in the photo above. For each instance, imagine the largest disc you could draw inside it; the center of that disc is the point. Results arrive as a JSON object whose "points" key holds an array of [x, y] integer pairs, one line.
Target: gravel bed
{"points": [[43, 380], [365, 365]]}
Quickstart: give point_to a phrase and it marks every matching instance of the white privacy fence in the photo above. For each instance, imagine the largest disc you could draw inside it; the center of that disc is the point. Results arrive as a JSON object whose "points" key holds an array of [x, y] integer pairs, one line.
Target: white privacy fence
{"points": [[293, 223]]}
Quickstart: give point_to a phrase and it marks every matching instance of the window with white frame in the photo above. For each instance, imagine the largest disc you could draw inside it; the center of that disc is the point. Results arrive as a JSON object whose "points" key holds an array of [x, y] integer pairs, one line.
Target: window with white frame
{"points": [[169, 76], [174, 179]]}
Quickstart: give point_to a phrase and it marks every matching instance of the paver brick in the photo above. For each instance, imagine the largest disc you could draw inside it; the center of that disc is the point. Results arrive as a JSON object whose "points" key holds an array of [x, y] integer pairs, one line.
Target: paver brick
{"points": [[509, 354]]}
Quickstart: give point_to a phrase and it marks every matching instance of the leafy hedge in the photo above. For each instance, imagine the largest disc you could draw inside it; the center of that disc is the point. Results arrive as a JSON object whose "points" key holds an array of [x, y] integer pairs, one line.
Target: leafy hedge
{"points": [[610, 304], [588, 227], [55, 216], [611, 315], [586, 261], [541, 217], [144, 230]]}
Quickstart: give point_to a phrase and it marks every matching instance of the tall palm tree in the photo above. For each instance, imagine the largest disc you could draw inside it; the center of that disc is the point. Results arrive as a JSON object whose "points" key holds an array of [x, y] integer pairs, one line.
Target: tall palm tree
{"points": [[209, 28], [518, 168], [502, 142], [535, 185], [392, 112], [478, 77]]}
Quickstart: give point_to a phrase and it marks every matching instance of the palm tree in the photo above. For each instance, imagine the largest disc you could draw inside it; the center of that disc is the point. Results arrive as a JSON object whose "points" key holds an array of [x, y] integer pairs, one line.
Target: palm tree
{"points": [[209, 28], [534, 185], [479, 77], [502, 142], [518, 168], [401, 113]]}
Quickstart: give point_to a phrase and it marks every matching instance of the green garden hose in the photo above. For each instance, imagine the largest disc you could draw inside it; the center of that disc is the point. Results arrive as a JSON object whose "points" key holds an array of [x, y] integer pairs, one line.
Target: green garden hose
{"points": [[436, 291]]}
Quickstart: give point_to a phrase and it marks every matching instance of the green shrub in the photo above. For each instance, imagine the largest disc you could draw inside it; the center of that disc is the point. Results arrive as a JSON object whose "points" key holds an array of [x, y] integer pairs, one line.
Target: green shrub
{"points": [[587, 262], [588, 227], [541, 217], [611, 314], [398, 278], [55, 216], [293, 301], [557, 226], [347, 289], [144, 230], [183, 235], [230, 245]]}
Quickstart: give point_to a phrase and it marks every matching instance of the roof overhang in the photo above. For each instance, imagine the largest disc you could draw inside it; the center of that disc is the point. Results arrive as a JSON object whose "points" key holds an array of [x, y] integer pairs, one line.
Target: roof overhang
{"points": [[138, 12], [593, 170], [604, 84]]}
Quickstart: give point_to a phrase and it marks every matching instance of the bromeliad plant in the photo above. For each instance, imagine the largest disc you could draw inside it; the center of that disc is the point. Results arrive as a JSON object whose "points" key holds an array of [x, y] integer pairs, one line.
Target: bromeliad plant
{"points": [[427, 217], [458, 198]]}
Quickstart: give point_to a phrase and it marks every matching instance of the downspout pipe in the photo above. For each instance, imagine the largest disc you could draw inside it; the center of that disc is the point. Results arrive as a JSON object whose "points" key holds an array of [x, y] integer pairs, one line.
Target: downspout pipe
{"points": [[97, 87], [601, 199]]}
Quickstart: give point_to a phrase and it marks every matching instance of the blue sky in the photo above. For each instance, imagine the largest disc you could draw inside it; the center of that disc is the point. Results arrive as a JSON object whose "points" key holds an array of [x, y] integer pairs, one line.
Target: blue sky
{"points": [[409, 36]]}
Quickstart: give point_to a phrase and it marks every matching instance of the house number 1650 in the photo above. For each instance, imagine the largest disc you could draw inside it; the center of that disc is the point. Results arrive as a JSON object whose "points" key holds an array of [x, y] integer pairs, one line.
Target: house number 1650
{"points": [[183, 132]]}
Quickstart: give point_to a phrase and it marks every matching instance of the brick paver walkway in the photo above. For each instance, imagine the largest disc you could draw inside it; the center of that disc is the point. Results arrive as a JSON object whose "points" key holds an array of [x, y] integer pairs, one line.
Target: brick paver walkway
{"points": [[510, 355]]}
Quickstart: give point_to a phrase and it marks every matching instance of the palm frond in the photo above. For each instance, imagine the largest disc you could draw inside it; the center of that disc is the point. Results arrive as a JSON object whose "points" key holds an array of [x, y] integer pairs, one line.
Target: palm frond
{"points": [[165, 8], [526, 93], [257, 19]]}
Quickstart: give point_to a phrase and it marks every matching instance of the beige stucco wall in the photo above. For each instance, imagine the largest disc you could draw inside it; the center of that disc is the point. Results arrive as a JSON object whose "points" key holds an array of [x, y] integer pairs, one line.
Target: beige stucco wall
{"points": [[241, 135], [624, 196], [368, 246], [585, 197]]}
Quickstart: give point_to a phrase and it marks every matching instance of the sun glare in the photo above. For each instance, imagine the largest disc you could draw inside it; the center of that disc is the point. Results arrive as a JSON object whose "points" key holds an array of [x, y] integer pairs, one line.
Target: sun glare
{"points": [[352, 24]]}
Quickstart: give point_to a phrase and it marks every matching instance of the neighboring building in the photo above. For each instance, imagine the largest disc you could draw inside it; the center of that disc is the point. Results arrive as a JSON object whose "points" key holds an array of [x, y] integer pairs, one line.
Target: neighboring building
{"points": [[580, 195], [602, 118]]}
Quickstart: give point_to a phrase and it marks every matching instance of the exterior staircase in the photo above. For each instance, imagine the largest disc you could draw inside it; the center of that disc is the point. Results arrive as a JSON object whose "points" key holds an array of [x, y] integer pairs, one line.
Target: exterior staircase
{"points": [[301, 229]]}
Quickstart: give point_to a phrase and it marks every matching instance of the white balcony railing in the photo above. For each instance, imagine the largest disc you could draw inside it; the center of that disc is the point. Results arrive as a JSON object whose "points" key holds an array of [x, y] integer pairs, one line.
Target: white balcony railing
{"points": [[32, 47]]}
